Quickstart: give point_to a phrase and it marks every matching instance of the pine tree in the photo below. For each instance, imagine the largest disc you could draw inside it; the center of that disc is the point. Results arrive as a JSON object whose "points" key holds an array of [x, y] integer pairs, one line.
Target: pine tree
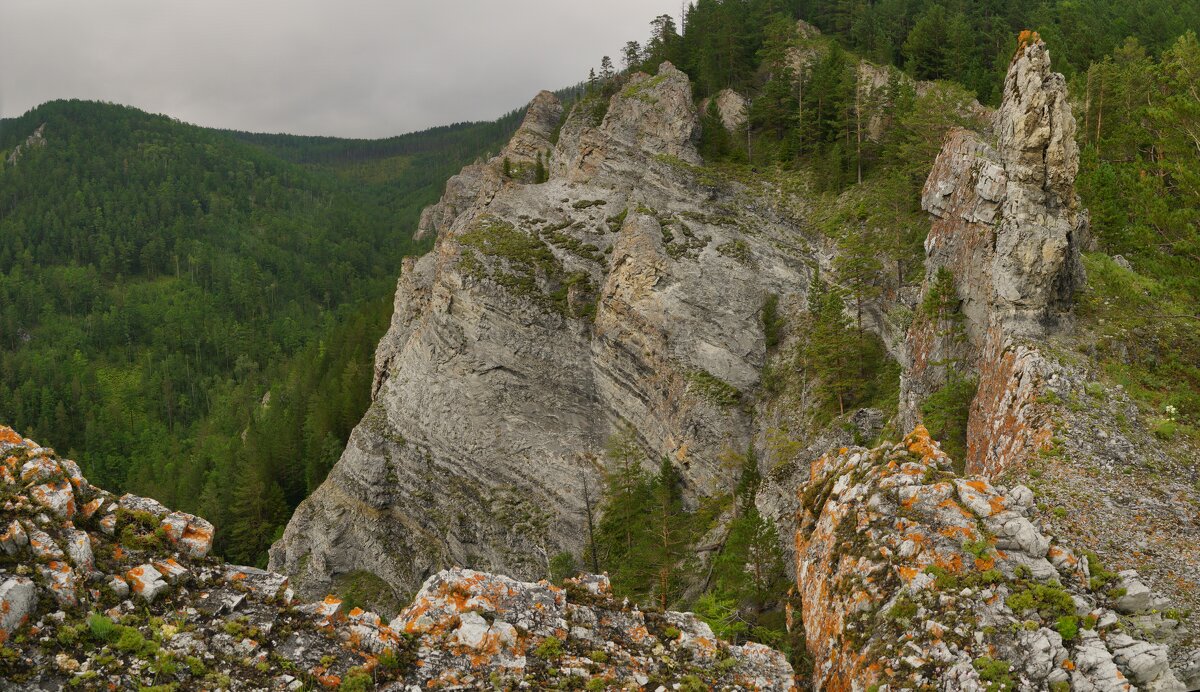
{"points": [[668, 536], [607, 72], [631, 54], [834, 350]]}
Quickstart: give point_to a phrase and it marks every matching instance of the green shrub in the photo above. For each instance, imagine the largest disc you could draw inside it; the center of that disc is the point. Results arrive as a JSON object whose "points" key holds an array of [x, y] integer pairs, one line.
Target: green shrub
{"points": [[562, 567], [1165, 428], [772, 321], [945, 414], [550, 648], [1049, 600], [713, 389], [994, 674], [1068, 627]]}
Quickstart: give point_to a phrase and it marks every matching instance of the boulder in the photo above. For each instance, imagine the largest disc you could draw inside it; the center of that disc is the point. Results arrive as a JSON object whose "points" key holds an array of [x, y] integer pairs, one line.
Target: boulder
{"points": [[18, 599]]}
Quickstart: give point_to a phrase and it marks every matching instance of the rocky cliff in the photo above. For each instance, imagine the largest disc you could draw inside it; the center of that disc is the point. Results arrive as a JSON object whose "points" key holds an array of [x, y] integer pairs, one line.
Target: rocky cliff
{"points": [[105, 592], [1008, 226], [625, 290], [622, 288], [1007, 232]]}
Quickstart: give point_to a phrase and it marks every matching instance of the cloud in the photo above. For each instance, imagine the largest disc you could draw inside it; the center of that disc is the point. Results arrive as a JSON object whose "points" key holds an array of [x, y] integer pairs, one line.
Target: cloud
{"points": [[352, 68]]}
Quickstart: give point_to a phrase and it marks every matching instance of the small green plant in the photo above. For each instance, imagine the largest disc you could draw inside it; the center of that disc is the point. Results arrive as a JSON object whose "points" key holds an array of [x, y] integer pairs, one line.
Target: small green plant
{"points": [[979, 548], [1100, 576], [550, 648], [195, 666], [164, 664], [1049, 600], [1164, 428], [598, 656], [389, 660], [714, 389], [1068, 627], [672, 633], [994, 674], [357, 680], [904, 609], [1094, 390]]}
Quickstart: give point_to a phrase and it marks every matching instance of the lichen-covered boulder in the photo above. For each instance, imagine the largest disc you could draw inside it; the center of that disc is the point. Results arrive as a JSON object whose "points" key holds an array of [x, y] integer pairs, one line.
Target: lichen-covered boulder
{"points": [[477, 626], [131, 597], [18, 598], [912, 576]]}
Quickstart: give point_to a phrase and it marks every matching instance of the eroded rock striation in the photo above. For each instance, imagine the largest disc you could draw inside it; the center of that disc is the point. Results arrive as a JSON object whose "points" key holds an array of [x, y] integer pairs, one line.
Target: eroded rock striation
{"points": [[914, 577], [624, 291], [105, 592]]}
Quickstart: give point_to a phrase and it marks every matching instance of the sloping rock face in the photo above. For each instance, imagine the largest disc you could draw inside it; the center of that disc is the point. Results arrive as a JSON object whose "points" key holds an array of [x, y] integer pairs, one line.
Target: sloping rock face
{"points": [[120, 593], [1008, 225], [625, 291], [915, 578], [37, 139]]}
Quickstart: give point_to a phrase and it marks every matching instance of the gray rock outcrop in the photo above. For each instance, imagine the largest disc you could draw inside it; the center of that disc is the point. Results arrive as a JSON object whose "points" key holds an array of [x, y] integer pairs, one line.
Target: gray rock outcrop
{"points": [[1008, 225], [626, 290]]}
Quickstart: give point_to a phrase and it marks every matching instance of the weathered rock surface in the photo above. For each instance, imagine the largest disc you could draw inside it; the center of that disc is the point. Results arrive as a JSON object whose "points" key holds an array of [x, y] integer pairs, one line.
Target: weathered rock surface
{"points": [[914, 577], [148, 607], [732, 108], [1008, 225], [625, 290]]}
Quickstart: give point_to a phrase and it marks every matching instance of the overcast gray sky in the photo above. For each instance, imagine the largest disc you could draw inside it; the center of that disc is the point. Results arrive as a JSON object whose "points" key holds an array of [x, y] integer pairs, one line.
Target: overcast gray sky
{"points": [[353, 68]]}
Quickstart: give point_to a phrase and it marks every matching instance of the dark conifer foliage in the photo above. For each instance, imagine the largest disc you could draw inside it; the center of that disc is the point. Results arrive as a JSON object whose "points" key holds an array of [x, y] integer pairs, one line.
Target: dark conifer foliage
{"points": [[192, 313]]}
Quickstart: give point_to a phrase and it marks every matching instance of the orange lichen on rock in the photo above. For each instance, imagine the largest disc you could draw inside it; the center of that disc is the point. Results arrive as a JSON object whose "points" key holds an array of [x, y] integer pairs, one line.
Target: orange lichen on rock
{"points": [[920, 443]]}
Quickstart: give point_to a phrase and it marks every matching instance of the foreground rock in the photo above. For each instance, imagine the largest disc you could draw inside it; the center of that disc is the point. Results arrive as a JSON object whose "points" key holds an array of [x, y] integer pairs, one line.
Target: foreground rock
{"points": [[914, 578], [121, 594]]}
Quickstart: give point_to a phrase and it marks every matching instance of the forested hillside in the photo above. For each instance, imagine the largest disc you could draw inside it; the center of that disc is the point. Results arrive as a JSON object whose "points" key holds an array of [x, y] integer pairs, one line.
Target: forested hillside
{"points": [[193, 312]]}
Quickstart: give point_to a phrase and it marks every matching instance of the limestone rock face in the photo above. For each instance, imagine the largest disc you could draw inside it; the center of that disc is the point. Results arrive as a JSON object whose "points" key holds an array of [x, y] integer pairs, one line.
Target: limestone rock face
{"points": [[913, 576], [478, 182], [732, 108], [626, 290], [1007, 223], [239, 628]]}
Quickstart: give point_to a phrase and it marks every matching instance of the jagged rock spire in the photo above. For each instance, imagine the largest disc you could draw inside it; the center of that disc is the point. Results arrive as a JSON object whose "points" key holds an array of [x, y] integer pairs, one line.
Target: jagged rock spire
{"points": [[1034, 126], [1007, 224]]}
